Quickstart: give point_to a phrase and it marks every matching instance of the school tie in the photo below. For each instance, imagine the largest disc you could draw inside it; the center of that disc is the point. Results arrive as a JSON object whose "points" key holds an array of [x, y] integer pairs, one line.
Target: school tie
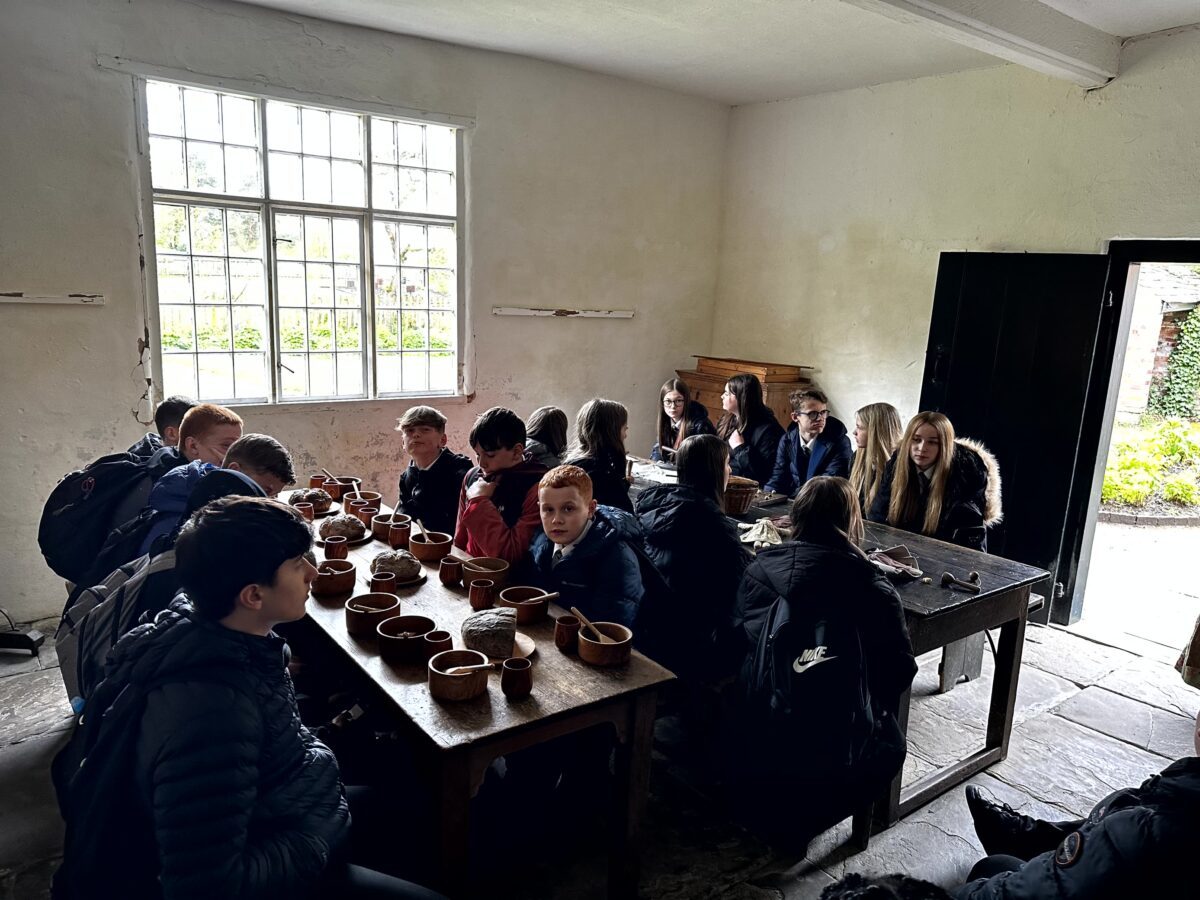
{"points": [[558, 556]]}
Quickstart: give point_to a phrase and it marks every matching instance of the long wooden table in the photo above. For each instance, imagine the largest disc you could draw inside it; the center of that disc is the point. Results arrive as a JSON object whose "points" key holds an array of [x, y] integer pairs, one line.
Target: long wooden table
{"points": [[460, 740]]}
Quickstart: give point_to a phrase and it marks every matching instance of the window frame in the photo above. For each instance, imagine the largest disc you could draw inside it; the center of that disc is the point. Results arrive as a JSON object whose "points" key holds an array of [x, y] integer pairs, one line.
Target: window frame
{"points": [[268, 209]]}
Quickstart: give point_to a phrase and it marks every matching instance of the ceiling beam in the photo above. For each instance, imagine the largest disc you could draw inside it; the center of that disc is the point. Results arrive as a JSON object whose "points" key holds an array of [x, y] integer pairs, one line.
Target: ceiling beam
{"points": [[1024, 32]]}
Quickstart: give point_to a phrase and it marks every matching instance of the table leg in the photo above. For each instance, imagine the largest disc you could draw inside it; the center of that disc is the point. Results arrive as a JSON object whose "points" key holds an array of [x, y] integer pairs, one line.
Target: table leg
{"points": [[629, 798], [454, 825], [887, 807], [1004, 684]]}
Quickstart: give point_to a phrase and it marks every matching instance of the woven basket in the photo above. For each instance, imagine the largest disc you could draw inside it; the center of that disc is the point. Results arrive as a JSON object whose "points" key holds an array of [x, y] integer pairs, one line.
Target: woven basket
{"points": [[739, 495]]}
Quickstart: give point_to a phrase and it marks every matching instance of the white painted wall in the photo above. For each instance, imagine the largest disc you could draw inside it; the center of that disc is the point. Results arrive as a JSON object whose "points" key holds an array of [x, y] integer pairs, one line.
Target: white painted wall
{"points": [[837, 206], [583, 190]]}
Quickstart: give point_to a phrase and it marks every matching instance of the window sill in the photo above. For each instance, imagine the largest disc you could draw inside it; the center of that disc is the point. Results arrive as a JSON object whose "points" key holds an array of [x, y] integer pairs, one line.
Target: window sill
{"points": [[351, 404]]}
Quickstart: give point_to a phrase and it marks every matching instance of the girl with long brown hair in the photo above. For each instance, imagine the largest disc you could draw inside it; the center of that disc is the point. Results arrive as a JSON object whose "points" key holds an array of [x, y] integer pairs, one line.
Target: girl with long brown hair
{"points": [[750, 428], [877, 431], [679, 417], [600, 431]]}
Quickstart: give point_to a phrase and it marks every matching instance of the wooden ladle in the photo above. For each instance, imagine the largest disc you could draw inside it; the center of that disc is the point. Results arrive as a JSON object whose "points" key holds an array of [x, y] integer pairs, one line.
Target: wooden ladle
{"points": [[600, 636], [421, 525], [464, 670]]}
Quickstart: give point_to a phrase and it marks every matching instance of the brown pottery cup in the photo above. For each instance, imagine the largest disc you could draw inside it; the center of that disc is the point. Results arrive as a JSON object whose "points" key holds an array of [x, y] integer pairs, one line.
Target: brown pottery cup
{"points": [[316, 481], [566, 634], [437, 641], [450, 571], [516, 678], [380, 525], [335, 547], [367, 514], [383, 583], [306, 510], [483, 594], [398, 536], [353, 506]]}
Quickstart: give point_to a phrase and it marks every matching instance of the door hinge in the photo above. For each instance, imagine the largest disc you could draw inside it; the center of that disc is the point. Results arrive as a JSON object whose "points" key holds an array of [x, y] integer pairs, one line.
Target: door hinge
{"points": [[1059, 590]]}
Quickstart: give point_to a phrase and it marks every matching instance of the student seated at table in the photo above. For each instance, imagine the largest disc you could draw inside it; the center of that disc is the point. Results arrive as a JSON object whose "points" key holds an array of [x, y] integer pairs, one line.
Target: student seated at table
{"points": [[167, 417], [212, 788], [877, 431], [939, 485], [432, 480], [547, 436], [600, 431], [815, 444], [695, 547], [827, 658], [584, 551], [498, 504], [679, 418], [750, 428]]}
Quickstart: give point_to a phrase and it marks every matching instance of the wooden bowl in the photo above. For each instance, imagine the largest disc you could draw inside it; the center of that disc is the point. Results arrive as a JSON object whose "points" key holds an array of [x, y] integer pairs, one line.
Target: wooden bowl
{"points": [[429, 546], [485, 567], [382, 522], [409, 648], [366, 611], [344, 485], [334, 576], [527, 602], [373, 498], [457, 687], [597, 654]]}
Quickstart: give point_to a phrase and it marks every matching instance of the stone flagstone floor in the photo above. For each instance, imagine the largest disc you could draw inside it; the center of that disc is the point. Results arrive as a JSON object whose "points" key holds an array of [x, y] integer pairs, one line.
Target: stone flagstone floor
{"points": [[1090, 718]]}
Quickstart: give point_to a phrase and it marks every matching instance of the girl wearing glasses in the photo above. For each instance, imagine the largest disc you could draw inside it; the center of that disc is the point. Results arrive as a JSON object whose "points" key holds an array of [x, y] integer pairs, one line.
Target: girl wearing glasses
{"points": [[750, 428], [679, 417], [939, 485]]}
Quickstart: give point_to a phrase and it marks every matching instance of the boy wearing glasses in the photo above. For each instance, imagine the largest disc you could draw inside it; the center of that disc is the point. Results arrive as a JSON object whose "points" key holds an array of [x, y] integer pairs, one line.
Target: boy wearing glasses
{"points": [[815, 444]]}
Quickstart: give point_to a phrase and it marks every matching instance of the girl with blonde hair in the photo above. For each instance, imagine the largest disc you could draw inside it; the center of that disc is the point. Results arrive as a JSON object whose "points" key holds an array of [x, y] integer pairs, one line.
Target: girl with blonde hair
{"points": [[877, 431]]}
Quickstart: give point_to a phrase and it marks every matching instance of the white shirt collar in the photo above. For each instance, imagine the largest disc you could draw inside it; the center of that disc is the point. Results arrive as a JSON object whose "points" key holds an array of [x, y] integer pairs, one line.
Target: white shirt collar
{"points": [[563, 551]]}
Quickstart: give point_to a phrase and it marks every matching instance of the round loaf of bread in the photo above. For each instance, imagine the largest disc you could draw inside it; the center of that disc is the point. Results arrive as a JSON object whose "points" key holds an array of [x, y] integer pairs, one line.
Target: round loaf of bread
{"points": [[491, 631], [346, 525], [400, 563], [320, 499]]}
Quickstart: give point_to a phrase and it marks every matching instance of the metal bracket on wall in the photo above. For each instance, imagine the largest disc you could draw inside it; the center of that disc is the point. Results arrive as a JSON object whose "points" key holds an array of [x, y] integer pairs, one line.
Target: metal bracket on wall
{"points": [[61, 299], [563, 313]]}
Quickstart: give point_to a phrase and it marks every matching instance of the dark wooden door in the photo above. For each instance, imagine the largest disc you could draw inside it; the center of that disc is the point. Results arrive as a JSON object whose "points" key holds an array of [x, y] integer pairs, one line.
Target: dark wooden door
{"points": [[1011, 360]]}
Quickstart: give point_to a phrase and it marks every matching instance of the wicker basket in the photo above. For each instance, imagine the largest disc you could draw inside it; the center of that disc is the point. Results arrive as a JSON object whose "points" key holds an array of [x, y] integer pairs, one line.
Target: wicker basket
{"points": [[739, 495]]}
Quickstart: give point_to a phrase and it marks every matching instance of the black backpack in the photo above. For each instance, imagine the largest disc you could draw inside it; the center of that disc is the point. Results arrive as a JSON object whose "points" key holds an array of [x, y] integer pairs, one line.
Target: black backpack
{"points": [[87, 504]]}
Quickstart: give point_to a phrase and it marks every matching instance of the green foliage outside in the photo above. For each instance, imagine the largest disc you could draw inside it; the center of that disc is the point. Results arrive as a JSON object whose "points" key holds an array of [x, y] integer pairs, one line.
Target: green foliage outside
{"points": [[1155, 460], [1176, 395]]}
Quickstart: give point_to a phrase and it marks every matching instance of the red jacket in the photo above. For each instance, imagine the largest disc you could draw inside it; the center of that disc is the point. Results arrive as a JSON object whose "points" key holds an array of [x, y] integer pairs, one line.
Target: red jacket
{"points": [[505, 524]]}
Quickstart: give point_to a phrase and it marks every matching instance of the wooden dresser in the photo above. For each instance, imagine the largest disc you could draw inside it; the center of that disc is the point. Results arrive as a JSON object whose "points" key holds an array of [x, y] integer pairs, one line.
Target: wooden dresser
{"points": [[707, 382]]}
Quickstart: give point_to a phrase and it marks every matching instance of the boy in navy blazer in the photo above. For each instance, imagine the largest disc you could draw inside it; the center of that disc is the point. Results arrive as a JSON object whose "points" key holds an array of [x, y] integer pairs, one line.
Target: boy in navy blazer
{"points": [[815, 444]]}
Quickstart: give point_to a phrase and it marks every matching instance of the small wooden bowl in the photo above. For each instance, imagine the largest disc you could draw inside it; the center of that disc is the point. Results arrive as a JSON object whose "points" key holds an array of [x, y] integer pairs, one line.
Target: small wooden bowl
{"points": [[429, 546], [382, 522], [366, 611], [373, 498], [345, 484], [334, 576], [597, 654], [491, 568], [526, 601], [410, 648], [457, 687]]}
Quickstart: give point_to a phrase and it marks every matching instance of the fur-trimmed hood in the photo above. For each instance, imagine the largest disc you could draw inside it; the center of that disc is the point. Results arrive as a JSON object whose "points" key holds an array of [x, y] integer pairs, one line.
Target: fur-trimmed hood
{"points": [[989, 469]]}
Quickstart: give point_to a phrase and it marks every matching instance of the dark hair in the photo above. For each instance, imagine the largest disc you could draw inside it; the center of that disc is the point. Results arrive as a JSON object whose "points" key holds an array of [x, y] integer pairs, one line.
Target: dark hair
{"points": [[667, 437], [170, 413], [751, 409], [598, 429], [234, 542], [826, 512], [883, 887], [496, 429], [548, 424], [261, 453], [700, 464], [795, 398]]}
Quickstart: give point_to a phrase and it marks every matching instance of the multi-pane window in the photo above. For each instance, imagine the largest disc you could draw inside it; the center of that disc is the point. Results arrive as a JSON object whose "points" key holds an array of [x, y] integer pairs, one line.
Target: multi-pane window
{"points": [[302, 252]]}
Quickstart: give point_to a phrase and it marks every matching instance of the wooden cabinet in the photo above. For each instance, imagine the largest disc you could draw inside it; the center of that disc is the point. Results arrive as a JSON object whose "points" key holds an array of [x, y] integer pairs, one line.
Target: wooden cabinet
{"points": [[707, 382]]}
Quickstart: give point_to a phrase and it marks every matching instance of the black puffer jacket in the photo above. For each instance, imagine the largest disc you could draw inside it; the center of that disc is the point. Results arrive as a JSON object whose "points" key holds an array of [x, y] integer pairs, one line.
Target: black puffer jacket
{"points": [[756, 458], [697, 551], [242, 800], [1137, 842], [607, 471]]}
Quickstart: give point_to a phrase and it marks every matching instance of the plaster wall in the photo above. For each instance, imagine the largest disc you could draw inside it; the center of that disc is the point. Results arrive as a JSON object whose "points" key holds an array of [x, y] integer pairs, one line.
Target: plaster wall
{"points": [[583, 190], [837, 206]]}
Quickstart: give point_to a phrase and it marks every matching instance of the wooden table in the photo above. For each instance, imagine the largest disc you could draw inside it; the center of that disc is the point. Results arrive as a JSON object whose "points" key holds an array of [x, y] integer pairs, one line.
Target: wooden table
{"points": [[460, 740]]}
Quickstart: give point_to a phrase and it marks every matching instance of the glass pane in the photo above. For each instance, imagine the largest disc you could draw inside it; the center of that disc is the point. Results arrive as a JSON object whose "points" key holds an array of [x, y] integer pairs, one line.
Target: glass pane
{"points": [[320, 375], [202, 117], [411, 195], [441, 331], [412, 245], [346, 133], [241, 172], [442, 372], [293, 375], [170, 228], [246, 283], [292, 329], [410, 144], [320, 330], [163, 109], [413, 288], [387, 331], [212, 330], [383, 187], [250, 374], [245, 233], [383, 141], [346, 234], [347, 183], [413, 331], [166, 163], [414, 372], [320, 284], [291, 283], [283, 126], [387, 286], [289, 237], [346, 286], [179, 374], [318, 238], [211, 286], [349, 334], [387, 373], [216, 375], [206, 167], [349, 374], [443, 247], [441, 194], [174, 279], [316, 180], [442, 289], [208, 230], [240, 120], [287, 179], [387, 243], [440, 147], [176, 328], [249, 328], [315, 125]]}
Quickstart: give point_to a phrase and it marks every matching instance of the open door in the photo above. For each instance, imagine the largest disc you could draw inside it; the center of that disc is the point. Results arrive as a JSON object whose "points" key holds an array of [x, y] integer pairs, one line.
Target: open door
{"points": [[1012, 359]]}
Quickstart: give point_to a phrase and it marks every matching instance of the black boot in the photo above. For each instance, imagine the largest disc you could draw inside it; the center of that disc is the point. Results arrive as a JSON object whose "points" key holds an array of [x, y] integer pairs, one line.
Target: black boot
{"points": [[1003, 830]]}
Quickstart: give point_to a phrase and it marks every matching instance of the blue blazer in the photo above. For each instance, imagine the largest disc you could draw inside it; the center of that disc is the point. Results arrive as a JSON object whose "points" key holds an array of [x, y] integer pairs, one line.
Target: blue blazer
{"points": [[830, 456]]}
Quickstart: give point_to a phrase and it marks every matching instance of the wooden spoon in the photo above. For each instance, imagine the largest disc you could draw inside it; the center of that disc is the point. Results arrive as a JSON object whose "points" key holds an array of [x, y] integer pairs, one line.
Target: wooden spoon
{"points": [[600, 636], [330, 476], [424, 530], [463, 670]]}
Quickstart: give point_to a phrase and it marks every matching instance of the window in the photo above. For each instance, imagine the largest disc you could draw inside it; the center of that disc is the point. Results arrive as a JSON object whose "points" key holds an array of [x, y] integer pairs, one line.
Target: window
{"points": [[302, 252]]}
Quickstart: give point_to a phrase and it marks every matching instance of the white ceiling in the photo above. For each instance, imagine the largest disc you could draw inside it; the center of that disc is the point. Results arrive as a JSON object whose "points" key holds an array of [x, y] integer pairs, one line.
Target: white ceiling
{"points": [[1129, 18]]}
